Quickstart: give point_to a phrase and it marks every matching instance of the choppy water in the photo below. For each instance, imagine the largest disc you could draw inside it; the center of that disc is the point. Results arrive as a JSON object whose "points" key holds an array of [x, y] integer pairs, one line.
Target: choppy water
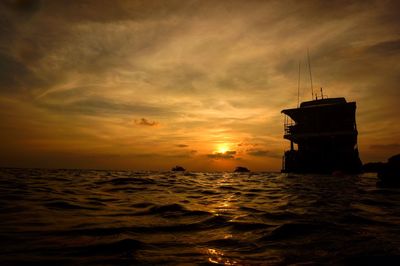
{"points": [[80, 217]]}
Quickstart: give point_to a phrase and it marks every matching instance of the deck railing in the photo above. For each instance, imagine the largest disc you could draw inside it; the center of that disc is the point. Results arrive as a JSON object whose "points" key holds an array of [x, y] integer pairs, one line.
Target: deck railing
{"points": [[342, 127], [288, 125]]}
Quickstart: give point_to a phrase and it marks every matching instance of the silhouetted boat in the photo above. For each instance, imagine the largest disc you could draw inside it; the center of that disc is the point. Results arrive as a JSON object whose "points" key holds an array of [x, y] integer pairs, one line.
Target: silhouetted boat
{"points": [[325, 132], [178, 169], [241, 169]]}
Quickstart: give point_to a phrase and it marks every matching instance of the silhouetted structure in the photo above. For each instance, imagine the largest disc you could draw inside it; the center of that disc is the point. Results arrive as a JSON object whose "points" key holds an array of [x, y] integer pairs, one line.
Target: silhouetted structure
{"points": [[325, 132], [374, 167], [241, 169], [178, 169], [389, 173]]}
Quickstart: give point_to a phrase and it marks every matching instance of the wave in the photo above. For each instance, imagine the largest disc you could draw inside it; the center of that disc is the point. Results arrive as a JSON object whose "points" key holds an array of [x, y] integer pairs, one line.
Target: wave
{"points": [[145, 218], [63, 205]]}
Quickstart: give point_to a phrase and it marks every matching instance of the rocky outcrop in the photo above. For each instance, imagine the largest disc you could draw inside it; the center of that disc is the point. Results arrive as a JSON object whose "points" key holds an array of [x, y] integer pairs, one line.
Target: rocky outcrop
{"points": [[241, 169], [374, 167], [178, 169], [389, 174]]}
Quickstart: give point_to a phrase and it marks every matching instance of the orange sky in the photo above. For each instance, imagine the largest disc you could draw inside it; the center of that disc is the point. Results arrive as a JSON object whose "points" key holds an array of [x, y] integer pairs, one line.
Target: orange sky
{"points": [[147, 85]]}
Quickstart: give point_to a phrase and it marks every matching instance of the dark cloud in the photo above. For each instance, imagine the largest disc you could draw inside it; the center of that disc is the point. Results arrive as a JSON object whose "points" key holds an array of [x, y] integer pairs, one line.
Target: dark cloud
{"points": [[16, 77], [388, 48], [117, 10], [99, 106], [262, 153], [246, 144], [145, 122], [181, 145], [23, 6], [220, 155], [180, 154]]}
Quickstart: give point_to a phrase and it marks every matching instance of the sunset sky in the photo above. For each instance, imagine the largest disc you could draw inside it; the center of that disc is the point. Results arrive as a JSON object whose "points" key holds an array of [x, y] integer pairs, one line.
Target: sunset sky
{"points": [[146, 85]]}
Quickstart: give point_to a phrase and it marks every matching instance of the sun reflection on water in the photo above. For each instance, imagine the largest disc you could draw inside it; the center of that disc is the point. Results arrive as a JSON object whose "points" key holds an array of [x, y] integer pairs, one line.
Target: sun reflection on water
{"points": [[217, 257], [225, 204]]}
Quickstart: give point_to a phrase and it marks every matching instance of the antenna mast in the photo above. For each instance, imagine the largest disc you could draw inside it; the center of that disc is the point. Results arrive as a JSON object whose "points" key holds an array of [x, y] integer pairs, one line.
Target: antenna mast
{"points": [[309, 68], [298, 89]]}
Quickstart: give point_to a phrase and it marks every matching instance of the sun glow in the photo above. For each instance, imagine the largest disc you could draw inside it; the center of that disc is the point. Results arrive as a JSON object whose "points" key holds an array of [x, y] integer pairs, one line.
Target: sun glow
{"points": [[222, 148]]}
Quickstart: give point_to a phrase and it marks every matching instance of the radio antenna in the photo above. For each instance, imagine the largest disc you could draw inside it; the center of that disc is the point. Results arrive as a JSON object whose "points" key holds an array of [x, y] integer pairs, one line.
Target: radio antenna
{"points": [[309, 68], [298, 89]]}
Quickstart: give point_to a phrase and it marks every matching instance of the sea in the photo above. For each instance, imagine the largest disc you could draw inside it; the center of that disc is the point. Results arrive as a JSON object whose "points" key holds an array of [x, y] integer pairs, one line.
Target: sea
{"points": [[90, 217]]}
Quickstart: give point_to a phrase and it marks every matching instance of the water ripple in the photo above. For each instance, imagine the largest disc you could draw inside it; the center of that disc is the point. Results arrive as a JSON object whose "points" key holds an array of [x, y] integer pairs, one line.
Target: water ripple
{"points": [[125, 217]]}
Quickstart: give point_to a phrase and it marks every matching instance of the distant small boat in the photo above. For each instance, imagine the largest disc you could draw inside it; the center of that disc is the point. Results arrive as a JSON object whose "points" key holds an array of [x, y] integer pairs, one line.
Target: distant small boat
{"points": [[241, 169], [178, 169]]}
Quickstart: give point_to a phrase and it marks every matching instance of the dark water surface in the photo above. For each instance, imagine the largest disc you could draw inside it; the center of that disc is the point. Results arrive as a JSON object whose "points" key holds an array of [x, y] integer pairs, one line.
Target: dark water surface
{"points": [[80, 217]]}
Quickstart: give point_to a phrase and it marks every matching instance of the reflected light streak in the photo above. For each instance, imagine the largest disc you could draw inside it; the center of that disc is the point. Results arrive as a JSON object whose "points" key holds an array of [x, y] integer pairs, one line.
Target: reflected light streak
{"points": [[217, 257], [225, 204]]}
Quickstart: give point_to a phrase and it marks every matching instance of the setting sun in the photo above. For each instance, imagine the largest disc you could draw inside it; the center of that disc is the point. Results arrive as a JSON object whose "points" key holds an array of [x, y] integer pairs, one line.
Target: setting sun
{"points": [[222, 148]]}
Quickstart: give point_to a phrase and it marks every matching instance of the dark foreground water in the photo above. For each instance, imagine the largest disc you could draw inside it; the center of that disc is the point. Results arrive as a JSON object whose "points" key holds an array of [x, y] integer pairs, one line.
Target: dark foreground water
{"points": [[85, 217]]}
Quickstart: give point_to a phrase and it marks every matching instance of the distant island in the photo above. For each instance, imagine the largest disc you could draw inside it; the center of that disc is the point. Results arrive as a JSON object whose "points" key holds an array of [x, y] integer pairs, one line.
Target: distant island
{"points": [[241, 169], [178, 168], [388, 173]]}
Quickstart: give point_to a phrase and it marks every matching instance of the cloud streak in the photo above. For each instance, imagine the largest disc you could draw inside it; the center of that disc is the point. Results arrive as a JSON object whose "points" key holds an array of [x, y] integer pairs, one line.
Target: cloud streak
{"points": [[145, 122], [222, 155]]}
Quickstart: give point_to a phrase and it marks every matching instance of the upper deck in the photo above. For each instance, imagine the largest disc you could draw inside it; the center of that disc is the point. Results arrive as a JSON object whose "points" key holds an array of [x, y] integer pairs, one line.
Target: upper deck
{"points": [[324, 117]]}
